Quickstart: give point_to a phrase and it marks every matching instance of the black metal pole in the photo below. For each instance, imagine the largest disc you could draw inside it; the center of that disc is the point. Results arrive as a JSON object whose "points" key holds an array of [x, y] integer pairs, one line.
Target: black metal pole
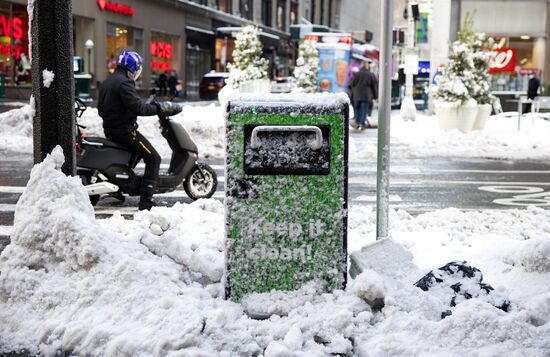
{"points": [[52, 50]]}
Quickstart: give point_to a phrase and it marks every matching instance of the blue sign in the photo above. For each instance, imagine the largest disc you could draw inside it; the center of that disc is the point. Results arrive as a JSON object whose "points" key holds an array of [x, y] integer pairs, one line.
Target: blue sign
{"points": [[424, 67]]}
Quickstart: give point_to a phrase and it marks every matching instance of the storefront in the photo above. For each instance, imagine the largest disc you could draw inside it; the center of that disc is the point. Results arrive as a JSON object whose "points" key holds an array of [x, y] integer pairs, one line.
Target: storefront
{"points": [[277, 49], [14, 44], [173, 37], [514, 61], [198, 57], [520, 30]]}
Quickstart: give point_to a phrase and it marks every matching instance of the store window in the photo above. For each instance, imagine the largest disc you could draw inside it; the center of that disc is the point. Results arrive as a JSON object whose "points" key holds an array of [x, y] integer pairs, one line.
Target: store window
{"points": [[224, 5], [120, 38], [224, 53], [14, 43], [515, 61], [198, 60], [281, 15], [323, 12], [83, 42], [245, 9], [266, 12], [293, 13], [165, 53], [165, 59]]}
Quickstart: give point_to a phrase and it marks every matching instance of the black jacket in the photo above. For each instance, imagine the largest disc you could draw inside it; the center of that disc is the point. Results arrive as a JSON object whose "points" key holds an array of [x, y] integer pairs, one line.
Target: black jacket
{"points": [[533, 87], [119, 104], [364, 86]]}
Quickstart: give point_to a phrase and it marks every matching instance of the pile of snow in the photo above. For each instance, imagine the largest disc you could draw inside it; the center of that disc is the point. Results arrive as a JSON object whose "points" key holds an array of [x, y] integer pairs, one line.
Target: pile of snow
{"points": [[48, 77], [499, 140], [151, 286], [16, 128]]}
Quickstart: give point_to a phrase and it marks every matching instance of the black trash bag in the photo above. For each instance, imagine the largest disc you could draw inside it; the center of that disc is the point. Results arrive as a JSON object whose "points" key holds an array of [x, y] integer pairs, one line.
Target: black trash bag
{"points": [[459, 281]]}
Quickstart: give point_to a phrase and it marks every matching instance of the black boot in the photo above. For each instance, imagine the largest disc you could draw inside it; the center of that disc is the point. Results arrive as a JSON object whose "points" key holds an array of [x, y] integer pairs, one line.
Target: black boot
{"points": [[146, 199]]}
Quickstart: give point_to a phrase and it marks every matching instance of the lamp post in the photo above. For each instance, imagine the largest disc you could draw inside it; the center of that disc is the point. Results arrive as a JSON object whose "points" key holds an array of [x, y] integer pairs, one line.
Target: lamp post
{"points": [[52, 50], [89, 45], [384, 121]]}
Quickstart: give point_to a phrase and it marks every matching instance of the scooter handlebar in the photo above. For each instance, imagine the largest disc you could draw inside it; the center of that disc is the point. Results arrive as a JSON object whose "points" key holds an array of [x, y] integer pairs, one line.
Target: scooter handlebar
{"points": [[168, 109]]}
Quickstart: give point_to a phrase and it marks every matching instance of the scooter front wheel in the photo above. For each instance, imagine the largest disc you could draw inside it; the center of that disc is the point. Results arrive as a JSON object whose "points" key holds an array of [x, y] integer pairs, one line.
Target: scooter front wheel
{"points": [[201, 182]]}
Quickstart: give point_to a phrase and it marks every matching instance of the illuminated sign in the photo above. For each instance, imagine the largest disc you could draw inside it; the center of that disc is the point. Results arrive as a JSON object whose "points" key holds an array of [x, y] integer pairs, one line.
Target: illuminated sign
{"points": [[502, 60], [160, 49], [11, 27], [8, 50], [164, 66], [105, 5]]}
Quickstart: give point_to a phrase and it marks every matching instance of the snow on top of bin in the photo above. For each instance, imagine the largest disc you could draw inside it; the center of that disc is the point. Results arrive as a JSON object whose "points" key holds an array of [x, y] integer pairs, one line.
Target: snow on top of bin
{"points": [[285, 103]]}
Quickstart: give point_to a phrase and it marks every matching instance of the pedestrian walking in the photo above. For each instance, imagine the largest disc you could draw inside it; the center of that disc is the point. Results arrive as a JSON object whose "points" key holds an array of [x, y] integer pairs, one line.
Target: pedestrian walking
{"points": [[173, 82], [364, 89], [163, 81]]}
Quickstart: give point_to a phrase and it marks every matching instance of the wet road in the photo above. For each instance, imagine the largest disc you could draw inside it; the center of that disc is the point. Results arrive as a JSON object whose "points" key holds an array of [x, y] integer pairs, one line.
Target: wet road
{"points": [[417, 185]]}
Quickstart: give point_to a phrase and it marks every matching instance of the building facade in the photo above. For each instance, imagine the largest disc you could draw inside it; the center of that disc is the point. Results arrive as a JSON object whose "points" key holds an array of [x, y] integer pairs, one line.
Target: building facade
{"points": [[188, 37]]}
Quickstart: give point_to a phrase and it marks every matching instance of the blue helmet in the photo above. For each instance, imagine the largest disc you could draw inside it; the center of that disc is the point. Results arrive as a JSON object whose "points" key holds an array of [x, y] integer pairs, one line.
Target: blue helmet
{"points": [[131, 61]]}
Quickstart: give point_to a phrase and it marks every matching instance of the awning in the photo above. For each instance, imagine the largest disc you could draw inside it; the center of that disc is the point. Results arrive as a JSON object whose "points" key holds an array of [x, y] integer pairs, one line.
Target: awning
{"points": [[234, 30], [198, 29], [361, 58]]}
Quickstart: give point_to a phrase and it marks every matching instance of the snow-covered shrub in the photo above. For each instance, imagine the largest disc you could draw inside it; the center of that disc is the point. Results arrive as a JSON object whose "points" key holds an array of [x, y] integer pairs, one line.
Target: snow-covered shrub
{"points": [[307, 67], [247, 61], [480, 46], [466, 76]]}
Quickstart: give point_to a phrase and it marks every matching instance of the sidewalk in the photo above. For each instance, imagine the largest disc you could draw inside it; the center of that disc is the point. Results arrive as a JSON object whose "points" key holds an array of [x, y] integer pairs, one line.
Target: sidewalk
{"points": [[7, 104]]}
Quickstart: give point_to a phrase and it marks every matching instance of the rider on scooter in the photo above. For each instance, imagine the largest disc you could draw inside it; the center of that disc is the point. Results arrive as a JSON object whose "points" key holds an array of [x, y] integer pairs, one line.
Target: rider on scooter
{"points": [[119, 106]]}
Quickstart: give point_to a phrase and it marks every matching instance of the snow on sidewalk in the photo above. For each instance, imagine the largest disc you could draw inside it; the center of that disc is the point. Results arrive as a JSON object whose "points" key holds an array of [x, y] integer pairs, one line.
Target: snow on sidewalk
{"points": [[421, 138], [151, 286], [205, 124]]}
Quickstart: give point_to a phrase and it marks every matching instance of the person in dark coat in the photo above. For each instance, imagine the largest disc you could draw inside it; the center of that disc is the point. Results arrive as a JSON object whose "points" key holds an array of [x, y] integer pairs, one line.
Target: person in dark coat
{"points": [[364, 88], [532, 89], [163, 80], [119, 106], [173, 82]]}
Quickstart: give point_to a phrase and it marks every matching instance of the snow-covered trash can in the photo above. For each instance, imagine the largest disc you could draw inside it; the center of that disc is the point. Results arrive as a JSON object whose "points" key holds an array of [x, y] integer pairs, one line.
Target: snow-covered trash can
{"points": [[286, 192]]}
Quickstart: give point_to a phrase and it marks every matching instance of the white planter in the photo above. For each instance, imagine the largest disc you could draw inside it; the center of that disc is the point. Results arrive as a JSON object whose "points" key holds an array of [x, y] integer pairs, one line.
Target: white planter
{"points": [[255, 86], [456, 117], [482, 115]]}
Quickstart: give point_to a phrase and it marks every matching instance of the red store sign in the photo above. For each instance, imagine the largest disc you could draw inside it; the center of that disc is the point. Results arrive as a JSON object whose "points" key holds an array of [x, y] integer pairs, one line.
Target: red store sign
{"points": [[160, 49], [11, 27], [503, 60], [115, 7]]}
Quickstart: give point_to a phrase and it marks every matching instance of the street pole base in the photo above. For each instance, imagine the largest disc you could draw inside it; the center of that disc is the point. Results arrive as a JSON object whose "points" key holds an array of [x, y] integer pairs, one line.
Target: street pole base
{"points": [[408, 109]]}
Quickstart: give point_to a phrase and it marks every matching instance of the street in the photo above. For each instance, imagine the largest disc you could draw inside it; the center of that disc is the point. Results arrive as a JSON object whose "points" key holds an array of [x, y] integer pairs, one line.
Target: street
{"points": [[417, 185]]}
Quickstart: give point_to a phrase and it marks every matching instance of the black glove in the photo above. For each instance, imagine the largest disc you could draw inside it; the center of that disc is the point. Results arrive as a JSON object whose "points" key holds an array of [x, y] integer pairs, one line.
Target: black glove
{"points": [[169, 109]]}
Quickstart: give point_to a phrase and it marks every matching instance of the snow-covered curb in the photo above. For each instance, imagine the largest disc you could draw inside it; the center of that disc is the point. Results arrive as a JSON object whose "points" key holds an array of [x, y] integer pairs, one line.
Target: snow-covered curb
{"points": [[150, 286]]}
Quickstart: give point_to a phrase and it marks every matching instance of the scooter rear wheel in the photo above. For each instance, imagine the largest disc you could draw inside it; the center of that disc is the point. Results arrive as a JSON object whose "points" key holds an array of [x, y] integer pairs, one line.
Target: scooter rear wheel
{"points": [[85, 178], [201, 182]]}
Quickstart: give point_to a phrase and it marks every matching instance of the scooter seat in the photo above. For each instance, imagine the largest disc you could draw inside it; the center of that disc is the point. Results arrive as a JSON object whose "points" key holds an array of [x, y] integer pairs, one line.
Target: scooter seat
{"points": [[105, 142]]}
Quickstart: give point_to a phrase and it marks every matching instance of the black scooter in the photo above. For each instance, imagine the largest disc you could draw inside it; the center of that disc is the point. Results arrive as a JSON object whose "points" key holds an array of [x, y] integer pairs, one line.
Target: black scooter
{"points": [[107, 168]]}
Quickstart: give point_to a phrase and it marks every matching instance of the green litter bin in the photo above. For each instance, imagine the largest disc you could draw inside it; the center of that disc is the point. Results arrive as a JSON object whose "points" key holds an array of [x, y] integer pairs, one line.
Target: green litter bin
{"points": [[286, 193], [83, 86]]}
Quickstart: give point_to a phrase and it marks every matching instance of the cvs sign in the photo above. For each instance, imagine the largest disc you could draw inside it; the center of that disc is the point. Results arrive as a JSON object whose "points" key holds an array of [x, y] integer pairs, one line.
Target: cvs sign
{"points": [[502, 60]]}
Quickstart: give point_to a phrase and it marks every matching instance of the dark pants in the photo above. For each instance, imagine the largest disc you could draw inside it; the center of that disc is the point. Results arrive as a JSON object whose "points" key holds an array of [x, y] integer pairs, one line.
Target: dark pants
{"points": [[162, 90], [138, 144], [361, 110]]}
